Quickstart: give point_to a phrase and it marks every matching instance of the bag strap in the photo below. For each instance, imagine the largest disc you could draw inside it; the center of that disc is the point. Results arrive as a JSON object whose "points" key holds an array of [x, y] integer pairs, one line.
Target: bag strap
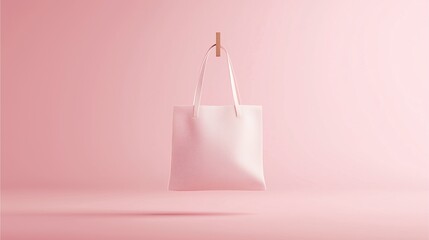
{"points": [[198, 89]]}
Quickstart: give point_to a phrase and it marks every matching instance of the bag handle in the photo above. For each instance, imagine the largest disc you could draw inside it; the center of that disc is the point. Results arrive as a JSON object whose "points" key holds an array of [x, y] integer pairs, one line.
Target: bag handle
{"points": [[198, 89]]}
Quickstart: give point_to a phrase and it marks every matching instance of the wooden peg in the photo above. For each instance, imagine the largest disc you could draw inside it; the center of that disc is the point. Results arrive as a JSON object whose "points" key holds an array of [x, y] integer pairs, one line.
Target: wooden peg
{"points": [[217, 44]]}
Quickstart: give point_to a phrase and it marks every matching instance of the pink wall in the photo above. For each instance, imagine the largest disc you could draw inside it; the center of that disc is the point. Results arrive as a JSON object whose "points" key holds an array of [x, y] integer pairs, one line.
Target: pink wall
{"points": [[88, 88]]}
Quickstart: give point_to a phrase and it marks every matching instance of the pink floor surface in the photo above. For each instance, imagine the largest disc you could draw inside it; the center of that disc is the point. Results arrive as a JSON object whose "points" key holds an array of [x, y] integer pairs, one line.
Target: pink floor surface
{"points": [[216, 215]]}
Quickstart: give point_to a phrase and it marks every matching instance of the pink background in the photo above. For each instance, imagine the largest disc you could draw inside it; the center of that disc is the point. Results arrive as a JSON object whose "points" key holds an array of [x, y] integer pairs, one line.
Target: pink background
{"points": [[87, 89]]}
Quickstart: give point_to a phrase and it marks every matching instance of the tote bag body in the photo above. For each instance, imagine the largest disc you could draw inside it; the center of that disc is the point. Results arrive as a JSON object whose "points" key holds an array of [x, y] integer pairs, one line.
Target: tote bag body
{"points": [[217, 147]]}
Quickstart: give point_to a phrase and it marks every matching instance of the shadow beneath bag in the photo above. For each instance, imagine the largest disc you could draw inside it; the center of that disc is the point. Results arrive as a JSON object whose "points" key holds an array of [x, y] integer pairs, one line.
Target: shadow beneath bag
{"points": [[126, 214]]}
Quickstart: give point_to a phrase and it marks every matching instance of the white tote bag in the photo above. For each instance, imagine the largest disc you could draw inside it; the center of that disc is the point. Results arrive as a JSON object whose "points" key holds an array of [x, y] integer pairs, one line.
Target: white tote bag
{"points": [[217, 147]]}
